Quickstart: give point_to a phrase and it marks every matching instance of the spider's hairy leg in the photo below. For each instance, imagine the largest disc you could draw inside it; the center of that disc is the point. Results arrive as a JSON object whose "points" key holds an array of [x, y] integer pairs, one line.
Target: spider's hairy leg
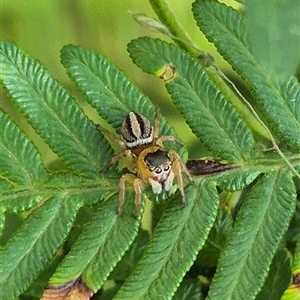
{"points": [[179, 170], [165, 138], [122, 189], [118, 141], [168, 138], [138, 186], [113, 160], [111, 136], [156, 124], [130, 161]]}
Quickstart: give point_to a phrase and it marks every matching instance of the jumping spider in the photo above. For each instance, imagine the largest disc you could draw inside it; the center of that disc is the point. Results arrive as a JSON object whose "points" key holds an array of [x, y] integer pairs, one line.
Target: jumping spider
{"points": [[146, 158]]}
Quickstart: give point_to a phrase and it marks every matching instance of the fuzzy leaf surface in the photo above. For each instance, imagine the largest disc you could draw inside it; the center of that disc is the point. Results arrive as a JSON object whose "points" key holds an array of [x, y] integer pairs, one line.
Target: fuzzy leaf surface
{"points": [[278, 278], [212, 118], [20, 162], [103, 241], [251, 246], [105, 86], [293, 292], [226, 28], [52, 112], [189, 290], [44, 231], [215, 242], [177, 238]]}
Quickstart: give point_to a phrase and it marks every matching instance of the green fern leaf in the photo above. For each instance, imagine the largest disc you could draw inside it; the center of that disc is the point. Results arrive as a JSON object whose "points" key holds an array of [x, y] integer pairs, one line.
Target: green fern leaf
{"points": [[52, 112], [278, 278], [21, 168], [59, 184], [182, 231], [189, 290], [296, 264], [225, 27], [34, 244], [20, 162], [245, 260], [107, 88], [293, 293], [174, 245], [238, 179], [102, 249], [211, 117], [215, 242], [291, 92], [128, 262]]}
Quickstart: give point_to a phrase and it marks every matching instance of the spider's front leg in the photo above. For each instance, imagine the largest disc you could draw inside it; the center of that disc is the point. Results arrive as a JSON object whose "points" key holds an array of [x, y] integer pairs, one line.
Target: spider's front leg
{"points": [[158, 140], [112, 136], [118, 141], [113, 160], [138, 186], [179, 170]]}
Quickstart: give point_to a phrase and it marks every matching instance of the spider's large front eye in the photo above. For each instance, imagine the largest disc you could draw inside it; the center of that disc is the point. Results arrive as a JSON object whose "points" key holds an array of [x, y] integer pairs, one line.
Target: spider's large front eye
{"points": [[136, 130], [158, 170], [167, 168]]}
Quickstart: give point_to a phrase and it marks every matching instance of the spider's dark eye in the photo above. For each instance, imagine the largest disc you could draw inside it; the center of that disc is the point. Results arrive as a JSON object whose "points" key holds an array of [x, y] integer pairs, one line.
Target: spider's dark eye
{"points": [[158, 170], [151, 169], [166, 168]]}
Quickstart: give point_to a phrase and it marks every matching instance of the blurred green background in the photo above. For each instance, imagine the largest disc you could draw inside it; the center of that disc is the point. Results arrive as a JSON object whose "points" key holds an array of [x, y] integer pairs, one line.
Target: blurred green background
{"points": [[43, 27]]}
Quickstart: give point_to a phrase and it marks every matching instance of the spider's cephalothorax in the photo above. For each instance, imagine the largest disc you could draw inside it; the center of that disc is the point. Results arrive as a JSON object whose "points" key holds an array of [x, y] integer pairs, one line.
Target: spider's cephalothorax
{"points": [[146, 158]]}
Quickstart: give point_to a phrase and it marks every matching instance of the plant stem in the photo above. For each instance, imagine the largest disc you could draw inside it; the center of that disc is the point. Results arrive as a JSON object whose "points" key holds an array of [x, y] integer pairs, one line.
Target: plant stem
{"points": [[244, 108], [245, 111], [164, 14]]}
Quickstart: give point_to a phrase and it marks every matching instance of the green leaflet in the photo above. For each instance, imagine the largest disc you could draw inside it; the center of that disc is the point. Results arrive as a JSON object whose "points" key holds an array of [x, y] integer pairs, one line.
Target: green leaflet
{"points": [[52, 112], [103, 241], [296, 264], [292, 292], [238, 179], [20, 162], [107, 88], [209, 254], [246, 258], [59, 185], [2, 221], [177, 238], [291, 91], [211, 117], [182, 231], [189, 289], [4, 184], [128, 262], [278, 278], [225, 27], [44, 231]]}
